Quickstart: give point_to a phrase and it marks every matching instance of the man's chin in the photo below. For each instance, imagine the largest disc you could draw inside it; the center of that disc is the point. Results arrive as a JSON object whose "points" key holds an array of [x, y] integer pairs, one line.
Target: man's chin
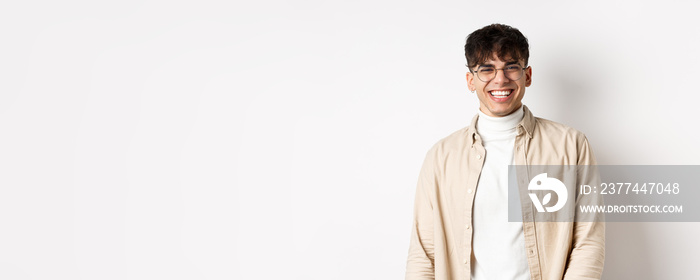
{"points": [[500, 112]]}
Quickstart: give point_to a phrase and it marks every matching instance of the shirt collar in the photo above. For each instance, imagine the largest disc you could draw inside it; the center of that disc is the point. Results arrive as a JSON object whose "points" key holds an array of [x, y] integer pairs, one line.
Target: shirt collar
{"points": [[527, 124]]}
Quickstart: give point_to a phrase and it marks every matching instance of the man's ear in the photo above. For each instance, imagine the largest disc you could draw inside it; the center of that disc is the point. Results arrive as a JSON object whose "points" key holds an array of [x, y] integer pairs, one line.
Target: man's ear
{"points": [[528, 76], [470, 81]]}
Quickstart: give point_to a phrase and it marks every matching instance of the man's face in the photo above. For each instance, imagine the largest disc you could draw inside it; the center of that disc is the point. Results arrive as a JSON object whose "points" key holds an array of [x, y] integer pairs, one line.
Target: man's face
{"points": [[500, 96]]}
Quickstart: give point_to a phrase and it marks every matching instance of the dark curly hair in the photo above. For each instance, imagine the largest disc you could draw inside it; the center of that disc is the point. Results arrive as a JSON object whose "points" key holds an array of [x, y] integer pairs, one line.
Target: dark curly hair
{"points": [[501, 39]]}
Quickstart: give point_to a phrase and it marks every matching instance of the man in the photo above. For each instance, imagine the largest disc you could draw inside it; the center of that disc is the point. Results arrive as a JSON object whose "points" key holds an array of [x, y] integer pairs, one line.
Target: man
{"points": [[460, 228]]}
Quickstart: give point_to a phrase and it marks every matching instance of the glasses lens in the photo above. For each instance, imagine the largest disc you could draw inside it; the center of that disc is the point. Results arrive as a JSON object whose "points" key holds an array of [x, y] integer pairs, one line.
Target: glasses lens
{"points": [[513, 72], [486, 74]]}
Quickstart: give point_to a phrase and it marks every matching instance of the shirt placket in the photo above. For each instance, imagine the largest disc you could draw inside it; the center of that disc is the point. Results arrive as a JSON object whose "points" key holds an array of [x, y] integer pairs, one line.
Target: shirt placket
{"points": [[475, 162], [529, 230]]}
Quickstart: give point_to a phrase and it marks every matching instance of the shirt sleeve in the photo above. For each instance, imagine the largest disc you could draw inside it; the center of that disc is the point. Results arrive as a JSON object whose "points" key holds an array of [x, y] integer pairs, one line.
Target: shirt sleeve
{"points": [[421, 257], [587, 255]]}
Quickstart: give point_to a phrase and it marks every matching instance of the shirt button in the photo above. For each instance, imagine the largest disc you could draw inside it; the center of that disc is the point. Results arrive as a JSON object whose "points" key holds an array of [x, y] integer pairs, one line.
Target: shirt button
{"points": [[467, 226], [469, 191], [532, 252], [478, 156], [466, 261]]}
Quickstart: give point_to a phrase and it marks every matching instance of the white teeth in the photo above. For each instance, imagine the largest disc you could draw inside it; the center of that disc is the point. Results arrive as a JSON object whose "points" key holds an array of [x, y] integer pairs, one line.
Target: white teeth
{"points": [[500, 93]]}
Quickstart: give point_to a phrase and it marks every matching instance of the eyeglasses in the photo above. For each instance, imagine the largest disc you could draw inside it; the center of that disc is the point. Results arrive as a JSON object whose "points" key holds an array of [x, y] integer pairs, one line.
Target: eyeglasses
{"points": [[512, 72]]}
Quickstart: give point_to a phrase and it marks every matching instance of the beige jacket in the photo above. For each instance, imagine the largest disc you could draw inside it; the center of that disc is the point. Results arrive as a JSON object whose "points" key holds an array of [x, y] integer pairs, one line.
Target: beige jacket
{"points": [[441, 235]]}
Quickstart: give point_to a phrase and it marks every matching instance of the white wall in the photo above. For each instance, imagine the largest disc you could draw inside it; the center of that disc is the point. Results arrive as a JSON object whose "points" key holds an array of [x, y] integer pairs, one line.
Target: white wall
{"points": [[283, 139]]}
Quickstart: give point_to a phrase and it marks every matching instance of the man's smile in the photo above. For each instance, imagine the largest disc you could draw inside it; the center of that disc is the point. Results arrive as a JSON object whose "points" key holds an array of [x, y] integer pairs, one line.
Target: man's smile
{"points": [[500, 95]]}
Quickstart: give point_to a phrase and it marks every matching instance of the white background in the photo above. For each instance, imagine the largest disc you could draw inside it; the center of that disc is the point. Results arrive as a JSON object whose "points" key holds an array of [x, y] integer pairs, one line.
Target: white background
{"points": [[283, 139]]}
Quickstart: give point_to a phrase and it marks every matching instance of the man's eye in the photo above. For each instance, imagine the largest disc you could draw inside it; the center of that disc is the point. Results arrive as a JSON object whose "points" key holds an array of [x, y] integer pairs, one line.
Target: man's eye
{"points": [[486, 70], [512, 68]]}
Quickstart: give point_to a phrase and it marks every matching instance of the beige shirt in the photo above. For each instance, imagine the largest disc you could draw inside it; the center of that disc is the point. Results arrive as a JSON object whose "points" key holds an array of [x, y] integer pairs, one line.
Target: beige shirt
{"points": [[441, 236]]}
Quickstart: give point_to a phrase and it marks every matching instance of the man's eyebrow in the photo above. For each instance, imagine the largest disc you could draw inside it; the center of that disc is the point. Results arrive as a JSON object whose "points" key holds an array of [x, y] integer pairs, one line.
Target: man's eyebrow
{"points": [[507, 63]]}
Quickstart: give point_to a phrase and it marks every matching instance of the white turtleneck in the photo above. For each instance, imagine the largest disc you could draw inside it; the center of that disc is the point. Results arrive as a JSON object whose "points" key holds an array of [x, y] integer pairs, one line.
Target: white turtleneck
{"points": [[498, 245]]}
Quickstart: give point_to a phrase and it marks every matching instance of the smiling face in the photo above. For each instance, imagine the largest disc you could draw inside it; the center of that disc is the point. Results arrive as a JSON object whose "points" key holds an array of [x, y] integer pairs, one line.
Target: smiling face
{"points": [[501, 96]]}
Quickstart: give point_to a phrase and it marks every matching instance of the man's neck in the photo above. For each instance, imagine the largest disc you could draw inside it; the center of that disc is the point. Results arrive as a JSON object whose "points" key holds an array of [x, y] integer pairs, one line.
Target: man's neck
{"points": [[487, 123]]}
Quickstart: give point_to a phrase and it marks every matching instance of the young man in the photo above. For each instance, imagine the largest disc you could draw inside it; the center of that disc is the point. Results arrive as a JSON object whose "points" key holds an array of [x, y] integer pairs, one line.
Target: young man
{"points": [[460, 228]]}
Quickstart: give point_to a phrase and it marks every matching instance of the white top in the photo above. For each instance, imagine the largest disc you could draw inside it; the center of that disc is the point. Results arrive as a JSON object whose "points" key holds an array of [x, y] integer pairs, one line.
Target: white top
{"points": [[498, 245]]}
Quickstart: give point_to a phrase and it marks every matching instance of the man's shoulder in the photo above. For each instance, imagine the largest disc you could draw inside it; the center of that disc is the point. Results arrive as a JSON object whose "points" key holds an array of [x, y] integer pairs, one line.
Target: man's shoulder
{"points": [[551, 129], [561, 141]]}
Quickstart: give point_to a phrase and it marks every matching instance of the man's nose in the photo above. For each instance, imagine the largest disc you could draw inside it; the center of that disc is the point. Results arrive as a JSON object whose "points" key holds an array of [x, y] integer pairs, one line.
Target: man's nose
{"points": [[500, 77]]}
